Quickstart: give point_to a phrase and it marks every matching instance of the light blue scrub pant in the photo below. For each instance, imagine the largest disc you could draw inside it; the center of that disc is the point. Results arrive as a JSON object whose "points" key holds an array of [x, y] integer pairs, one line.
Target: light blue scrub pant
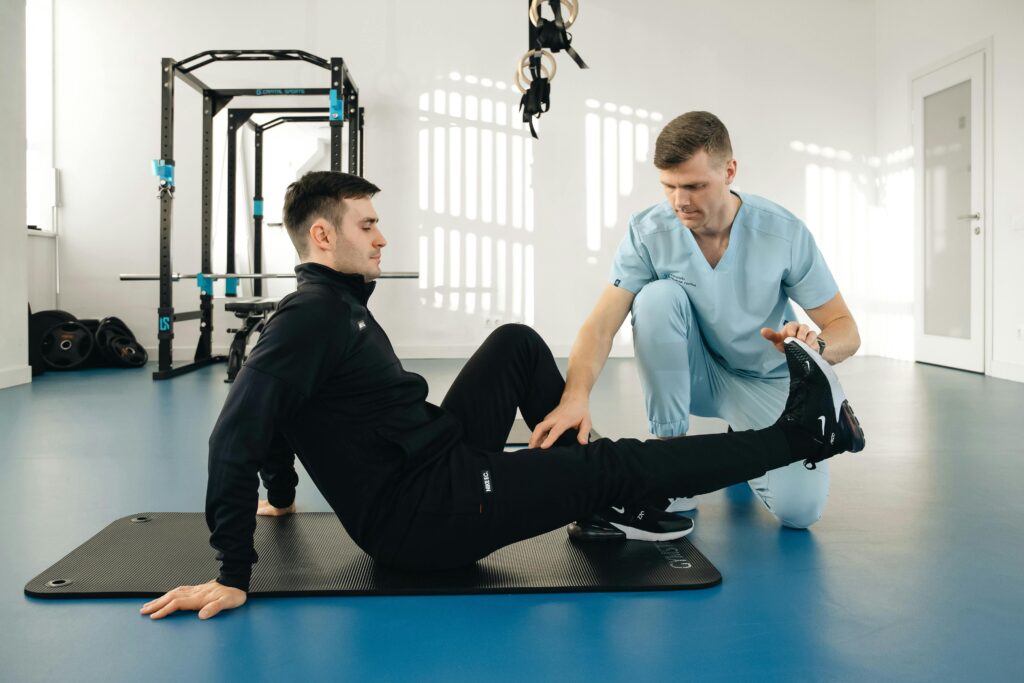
{"points": [[681, 378]]}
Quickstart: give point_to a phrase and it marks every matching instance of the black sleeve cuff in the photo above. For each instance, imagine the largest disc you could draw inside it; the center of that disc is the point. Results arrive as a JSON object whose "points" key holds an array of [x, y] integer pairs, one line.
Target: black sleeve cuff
{"points": [[234, 581], [281, 498]]}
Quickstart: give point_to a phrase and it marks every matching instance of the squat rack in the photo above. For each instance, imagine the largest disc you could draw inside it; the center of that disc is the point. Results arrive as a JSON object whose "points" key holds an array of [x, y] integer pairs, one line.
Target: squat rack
{"points": [[238, 118], [343, 99]]}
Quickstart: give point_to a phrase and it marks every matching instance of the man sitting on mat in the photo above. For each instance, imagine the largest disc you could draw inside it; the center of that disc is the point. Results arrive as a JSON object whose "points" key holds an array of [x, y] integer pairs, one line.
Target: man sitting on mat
{"points": [[708, 276], [422, 487]]}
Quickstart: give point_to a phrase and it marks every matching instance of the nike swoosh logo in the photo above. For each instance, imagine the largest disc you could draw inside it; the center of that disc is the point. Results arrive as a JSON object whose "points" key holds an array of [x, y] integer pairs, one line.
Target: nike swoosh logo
{"points": [[807, 366], [822, 418], [621, 511]]}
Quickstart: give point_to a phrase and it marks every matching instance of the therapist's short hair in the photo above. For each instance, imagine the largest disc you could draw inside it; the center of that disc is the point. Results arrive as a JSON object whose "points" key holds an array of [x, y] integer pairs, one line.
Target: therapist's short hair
{"points": [[686, 135]]}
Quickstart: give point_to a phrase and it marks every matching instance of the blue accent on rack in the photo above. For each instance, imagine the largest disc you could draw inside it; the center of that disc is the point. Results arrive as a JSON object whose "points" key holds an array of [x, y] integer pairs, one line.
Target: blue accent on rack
{"points": [[231, 286], [337, 106], [165, 172], [205, 284], [257, 207]]}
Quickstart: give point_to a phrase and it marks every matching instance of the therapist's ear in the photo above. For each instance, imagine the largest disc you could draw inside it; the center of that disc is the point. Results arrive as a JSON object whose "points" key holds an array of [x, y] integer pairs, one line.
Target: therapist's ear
{"points": [[730, 171]]}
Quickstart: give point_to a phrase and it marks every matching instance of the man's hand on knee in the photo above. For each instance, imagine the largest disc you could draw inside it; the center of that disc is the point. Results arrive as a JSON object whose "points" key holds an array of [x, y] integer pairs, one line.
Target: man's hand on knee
{"points": [[798, 330], [571, 415], [209, 599]]}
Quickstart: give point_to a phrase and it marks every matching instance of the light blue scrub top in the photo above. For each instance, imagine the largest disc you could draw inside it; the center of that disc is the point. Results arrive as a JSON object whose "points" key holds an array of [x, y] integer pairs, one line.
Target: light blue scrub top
{"points": [[771, 258]]}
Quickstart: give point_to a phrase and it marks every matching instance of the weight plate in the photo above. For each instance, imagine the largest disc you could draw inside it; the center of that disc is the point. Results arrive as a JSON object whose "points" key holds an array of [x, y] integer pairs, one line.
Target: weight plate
{"points": [[67, 345]]}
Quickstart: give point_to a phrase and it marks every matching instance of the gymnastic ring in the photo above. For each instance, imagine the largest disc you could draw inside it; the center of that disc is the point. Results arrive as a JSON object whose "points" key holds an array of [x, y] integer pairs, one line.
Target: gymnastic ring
{"points": [[573, 6], [523, 79]]}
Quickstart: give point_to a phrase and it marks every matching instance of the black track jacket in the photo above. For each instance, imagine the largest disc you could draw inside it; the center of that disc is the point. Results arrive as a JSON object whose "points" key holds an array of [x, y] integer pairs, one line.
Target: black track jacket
{"points": [[323, 382]]}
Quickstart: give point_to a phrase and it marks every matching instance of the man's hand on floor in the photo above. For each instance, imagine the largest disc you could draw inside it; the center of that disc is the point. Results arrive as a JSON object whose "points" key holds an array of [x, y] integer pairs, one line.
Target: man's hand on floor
{"points": [[265, 509], [208, 599]]}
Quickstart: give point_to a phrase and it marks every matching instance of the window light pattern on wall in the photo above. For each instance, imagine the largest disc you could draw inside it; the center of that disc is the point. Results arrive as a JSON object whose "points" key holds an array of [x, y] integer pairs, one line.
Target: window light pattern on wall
{"points": [[618, 140], [476, 242], [860, 211]]}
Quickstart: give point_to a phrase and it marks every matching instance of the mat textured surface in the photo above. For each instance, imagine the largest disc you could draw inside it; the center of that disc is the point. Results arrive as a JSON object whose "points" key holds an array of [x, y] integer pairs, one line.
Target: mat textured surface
{"points": [[310, 554]]}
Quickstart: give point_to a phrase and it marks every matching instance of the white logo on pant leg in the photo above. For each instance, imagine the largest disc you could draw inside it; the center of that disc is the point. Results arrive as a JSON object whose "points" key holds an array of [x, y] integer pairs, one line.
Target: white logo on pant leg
{"points": [[822, 418], [486, 475], [621, 511]]}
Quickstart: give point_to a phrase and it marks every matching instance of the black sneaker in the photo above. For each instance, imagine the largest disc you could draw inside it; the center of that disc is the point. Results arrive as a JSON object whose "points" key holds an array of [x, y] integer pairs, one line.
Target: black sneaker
{"points": [[634, 524], [818, 406]]}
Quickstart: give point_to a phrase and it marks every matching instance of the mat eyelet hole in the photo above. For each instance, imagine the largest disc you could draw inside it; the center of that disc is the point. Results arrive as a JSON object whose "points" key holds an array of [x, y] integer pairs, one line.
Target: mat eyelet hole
{"points": [[140, 519], [58, 583]]}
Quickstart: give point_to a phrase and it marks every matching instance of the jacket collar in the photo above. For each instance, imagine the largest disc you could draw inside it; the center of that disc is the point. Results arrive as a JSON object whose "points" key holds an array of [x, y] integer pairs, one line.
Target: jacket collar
{"points": [[314, 273]]}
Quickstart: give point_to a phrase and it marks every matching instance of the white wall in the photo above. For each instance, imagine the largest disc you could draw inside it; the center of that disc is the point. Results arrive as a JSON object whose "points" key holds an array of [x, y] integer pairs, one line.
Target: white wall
{"points": [[783, 86], [40, 260], [916, 34], [13, 297]]}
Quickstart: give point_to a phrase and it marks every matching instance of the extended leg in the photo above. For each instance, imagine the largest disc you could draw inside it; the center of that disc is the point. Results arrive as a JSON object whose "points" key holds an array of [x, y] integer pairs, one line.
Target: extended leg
{"points": [[492, 499]]}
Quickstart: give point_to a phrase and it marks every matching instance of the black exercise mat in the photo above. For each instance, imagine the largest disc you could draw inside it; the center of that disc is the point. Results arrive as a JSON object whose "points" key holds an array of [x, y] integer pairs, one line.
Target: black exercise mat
{"points": [[310, 554]]}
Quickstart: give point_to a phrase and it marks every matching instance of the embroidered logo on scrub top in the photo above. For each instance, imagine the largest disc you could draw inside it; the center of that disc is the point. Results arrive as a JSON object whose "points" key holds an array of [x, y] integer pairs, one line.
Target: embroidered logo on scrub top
{"points": [[361, 325], [681, 279]]}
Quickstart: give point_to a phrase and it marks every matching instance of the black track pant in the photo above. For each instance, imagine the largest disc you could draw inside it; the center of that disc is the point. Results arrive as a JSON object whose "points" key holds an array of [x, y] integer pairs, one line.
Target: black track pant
{"points": [[462, 508]]}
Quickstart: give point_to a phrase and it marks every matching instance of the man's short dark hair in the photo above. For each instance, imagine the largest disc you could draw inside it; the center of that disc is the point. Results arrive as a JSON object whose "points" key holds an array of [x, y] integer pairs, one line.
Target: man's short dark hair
{"points": [[686, 135], [320, 194]]}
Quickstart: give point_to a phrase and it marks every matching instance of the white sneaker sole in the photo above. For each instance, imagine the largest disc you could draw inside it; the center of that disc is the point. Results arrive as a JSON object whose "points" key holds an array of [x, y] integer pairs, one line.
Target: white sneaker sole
{"points": [[833, 381], [682, 504], [641, 535]]}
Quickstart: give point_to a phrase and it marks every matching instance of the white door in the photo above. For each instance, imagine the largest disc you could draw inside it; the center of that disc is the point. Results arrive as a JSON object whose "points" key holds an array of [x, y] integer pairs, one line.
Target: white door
{"points": [[949, 144]]}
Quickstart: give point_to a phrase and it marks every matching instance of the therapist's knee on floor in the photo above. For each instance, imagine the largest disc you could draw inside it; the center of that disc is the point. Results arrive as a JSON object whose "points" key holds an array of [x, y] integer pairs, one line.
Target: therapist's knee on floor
{"points": [[799, 509]]}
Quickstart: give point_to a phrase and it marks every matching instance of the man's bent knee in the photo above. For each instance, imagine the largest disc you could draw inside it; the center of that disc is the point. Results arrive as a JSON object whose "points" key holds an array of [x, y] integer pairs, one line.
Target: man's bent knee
{"points": [[516, 332], [516, 339]]}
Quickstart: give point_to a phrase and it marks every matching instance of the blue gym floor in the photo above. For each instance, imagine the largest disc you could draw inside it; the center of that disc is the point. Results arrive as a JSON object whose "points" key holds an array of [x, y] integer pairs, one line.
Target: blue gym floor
{"points": [[915, 573]]}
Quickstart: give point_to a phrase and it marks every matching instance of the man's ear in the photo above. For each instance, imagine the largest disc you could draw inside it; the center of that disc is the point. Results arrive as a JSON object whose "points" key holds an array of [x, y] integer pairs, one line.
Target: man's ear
{"points": [[730, 171], [321, 234]]}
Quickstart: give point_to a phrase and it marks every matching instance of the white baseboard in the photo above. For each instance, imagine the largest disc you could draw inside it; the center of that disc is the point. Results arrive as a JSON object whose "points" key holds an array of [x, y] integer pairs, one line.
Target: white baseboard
{"points": [[184, 354], [12, 377], [1003, 370], [463, 351], [411, 351]]}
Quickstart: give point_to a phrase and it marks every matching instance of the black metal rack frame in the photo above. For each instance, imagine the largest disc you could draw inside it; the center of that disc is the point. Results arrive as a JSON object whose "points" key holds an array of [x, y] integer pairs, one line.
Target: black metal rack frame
{"points": [[238, 119], [343, 108]]}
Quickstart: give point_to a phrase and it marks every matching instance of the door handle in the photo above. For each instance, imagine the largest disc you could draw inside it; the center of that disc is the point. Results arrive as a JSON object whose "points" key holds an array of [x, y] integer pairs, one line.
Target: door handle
{"points": [[969, 217]]}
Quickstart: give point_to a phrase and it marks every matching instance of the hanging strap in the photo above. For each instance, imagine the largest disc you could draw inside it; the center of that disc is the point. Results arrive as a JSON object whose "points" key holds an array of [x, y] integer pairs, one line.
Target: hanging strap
{"points": [[536, 99], [546, 36], [554, 35]]}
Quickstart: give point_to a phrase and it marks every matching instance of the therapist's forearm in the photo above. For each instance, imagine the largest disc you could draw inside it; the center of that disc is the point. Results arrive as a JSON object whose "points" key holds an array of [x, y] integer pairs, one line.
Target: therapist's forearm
{"points": [[841, 339], [586, 360]]}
